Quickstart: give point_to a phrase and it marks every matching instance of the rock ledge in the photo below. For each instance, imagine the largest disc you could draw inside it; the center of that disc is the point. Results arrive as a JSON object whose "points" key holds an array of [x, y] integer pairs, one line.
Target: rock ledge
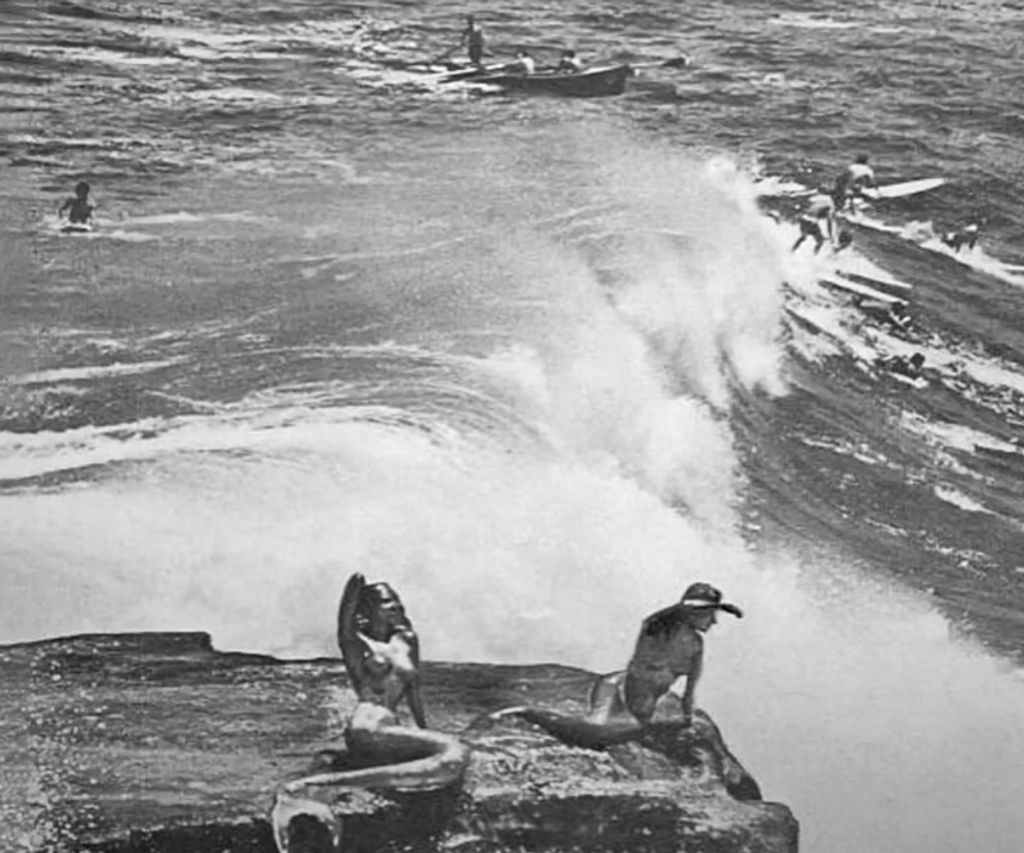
{"points": [[157, 742]]}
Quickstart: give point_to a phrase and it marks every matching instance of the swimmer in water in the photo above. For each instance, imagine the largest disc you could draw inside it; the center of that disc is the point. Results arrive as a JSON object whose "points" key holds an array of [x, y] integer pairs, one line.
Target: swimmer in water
{"points": [[77, 206]]}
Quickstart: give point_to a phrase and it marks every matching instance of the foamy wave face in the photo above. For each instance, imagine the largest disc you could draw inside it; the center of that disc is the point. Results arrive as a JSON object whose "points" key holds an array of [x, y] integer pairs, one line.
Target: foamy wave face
{"points": [[632, 362], [882, 721], [499, 557], [618, 355]]}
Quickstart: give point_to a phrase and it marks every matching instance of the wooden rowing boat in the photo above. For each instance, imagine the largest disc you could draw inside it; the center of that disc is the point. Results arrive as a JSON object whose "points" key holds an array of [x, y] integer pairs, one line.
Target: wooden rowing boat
{"points": [[590, 83]]}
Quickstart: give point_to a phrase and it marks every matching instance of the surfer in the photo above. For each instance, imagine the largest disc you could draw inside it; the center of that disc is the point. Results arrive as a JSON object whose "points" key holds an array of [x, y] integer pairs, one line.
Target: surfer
{"points": [[473, 38], [898, 317], [820, 209], [966, 236], [910, 367], [77, 206], [668, 648], [852, 181], [570, 63]]}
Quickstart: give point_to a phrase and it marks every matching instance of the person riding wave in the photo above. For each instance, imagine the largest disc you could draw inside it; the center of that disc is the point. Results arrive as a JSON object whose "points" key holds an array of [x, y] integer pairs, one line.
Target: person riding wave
{"points": [[820, 209], [851, 183]]}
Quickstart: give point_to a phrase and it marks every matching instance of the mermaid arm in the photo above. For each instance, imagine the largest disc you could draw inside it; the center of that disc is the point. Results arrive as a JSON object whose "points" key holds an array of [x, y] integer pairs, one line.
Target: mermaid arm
{"points": [[353, 648], [412, 688], [692, 677]]}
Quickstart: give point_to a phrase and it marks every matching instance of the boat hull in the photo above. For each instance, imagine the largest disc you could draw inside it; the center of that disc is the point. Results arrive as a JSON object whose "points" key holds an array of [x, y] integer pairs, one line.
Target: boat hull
{"points": [[591, 83]]}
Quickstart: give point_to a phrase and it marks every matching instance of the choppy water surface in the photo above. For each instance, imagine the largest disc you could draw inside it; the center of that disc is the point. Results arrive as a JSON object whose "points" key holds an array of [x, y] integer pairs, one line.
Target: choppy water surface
{"points": [[533, 361]]}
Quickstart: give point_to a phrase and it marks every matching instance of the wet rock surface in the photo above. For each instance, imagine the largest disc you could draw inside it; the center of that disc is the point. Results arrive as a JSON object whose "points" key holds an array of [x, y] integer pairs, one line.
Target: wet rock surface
{"points": [[157, 742]]}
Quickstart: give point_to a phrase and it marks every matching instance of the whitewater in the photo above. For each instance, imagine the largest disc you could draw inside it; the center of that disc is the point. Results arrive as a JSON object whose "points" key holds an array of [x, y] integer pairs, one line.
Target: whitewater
{"points": [[538, 363]]}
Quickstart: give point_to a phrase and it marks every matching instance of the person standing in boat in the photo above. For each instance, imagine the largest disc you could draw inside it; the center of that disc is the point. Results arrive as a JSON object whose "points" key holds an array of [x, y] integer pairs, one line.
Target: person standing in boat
{"points": [[850, 185], [821, 209], [570, 63], [473, 38]]}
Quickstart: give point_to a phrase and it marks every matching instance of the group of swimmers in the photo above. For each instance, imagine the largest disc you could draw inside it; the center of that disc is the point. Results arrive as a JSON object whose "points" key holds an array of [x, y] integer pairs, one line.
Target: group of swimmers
{"points": [[473, 39]]}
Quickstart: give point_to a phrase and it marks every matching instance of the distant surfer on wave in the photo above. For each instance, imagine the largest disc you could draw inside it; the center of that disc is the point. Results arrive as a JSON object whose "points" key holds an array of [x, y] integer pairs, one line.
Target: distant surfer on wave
{"points": [[850, 185], [820, 210], [966, 236], [911, 367], [78, 209], [669, 648]]}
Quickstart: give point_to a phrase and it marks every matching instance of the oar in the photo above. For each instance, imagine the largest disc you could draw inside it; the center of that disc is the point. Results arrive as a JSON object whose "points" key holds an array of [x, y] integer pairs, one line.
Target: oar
{"points": [[467, 73], [445, 55], [675, 62]]}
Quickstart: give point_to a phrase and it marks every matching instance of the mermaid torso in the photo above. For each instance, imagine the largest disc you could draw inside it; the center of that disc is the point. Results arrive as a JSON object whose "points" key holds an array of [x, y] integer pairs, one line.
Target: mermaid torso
{"points": [[389, 668]]}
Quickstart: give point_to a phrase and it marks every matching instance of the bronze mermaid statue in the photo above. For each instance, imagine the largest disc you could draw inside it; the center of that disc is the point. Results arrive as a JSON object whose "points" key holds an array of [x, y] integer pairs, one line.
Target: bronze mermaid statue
{"points": [[669, 648], [381, 653]]}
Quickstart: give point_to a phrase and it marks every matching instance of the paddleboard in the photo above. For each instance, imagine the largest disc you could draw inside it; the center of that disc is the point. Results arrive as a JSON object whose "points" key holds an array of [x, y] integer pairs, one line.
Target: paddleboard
{"points": [[918, 382], [893, 286], [806, 322], [860, 291], [904, 188], [75, 228], [469, 73]]}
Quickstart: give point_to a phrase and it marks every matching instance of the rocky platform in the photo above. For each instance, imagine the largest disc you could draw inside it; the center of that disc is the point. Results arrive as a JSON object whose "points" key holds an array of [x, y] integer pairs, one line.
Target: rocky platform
{"points": [[158, 742]]}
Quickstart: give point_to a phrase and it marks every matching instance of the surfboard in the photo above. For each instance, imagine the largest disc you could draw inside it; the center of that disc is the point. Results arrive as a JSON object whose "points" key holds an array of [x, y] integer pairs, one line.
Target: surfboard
{"points": [[892, 286], [918, 382], [75, 228], [904, 188], [861, 291]]}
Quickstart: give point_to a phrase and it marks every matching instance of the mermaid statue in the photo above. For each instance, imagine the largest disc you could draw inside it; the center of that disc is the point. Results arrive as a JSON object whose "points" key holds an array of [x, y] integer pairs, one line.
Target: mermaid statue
{"points": [[381, 653], [667, 661]]}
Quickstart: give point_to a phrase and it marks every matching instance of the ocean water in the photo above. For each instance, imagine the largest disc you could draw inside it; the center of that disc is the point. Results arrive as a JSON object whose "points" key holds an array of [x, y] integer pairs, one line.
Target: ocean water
{"points": [[539, 363]]}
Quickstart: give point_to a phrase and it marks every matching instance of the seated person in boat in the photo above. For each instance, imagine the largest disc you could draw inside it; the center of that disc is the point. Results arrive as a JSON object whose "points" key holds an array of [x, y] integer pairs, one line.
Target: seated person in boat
{"points": [[820, 210], [78, 208], [523, 64], [669, 648], [570, 63], [966, 236]]}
